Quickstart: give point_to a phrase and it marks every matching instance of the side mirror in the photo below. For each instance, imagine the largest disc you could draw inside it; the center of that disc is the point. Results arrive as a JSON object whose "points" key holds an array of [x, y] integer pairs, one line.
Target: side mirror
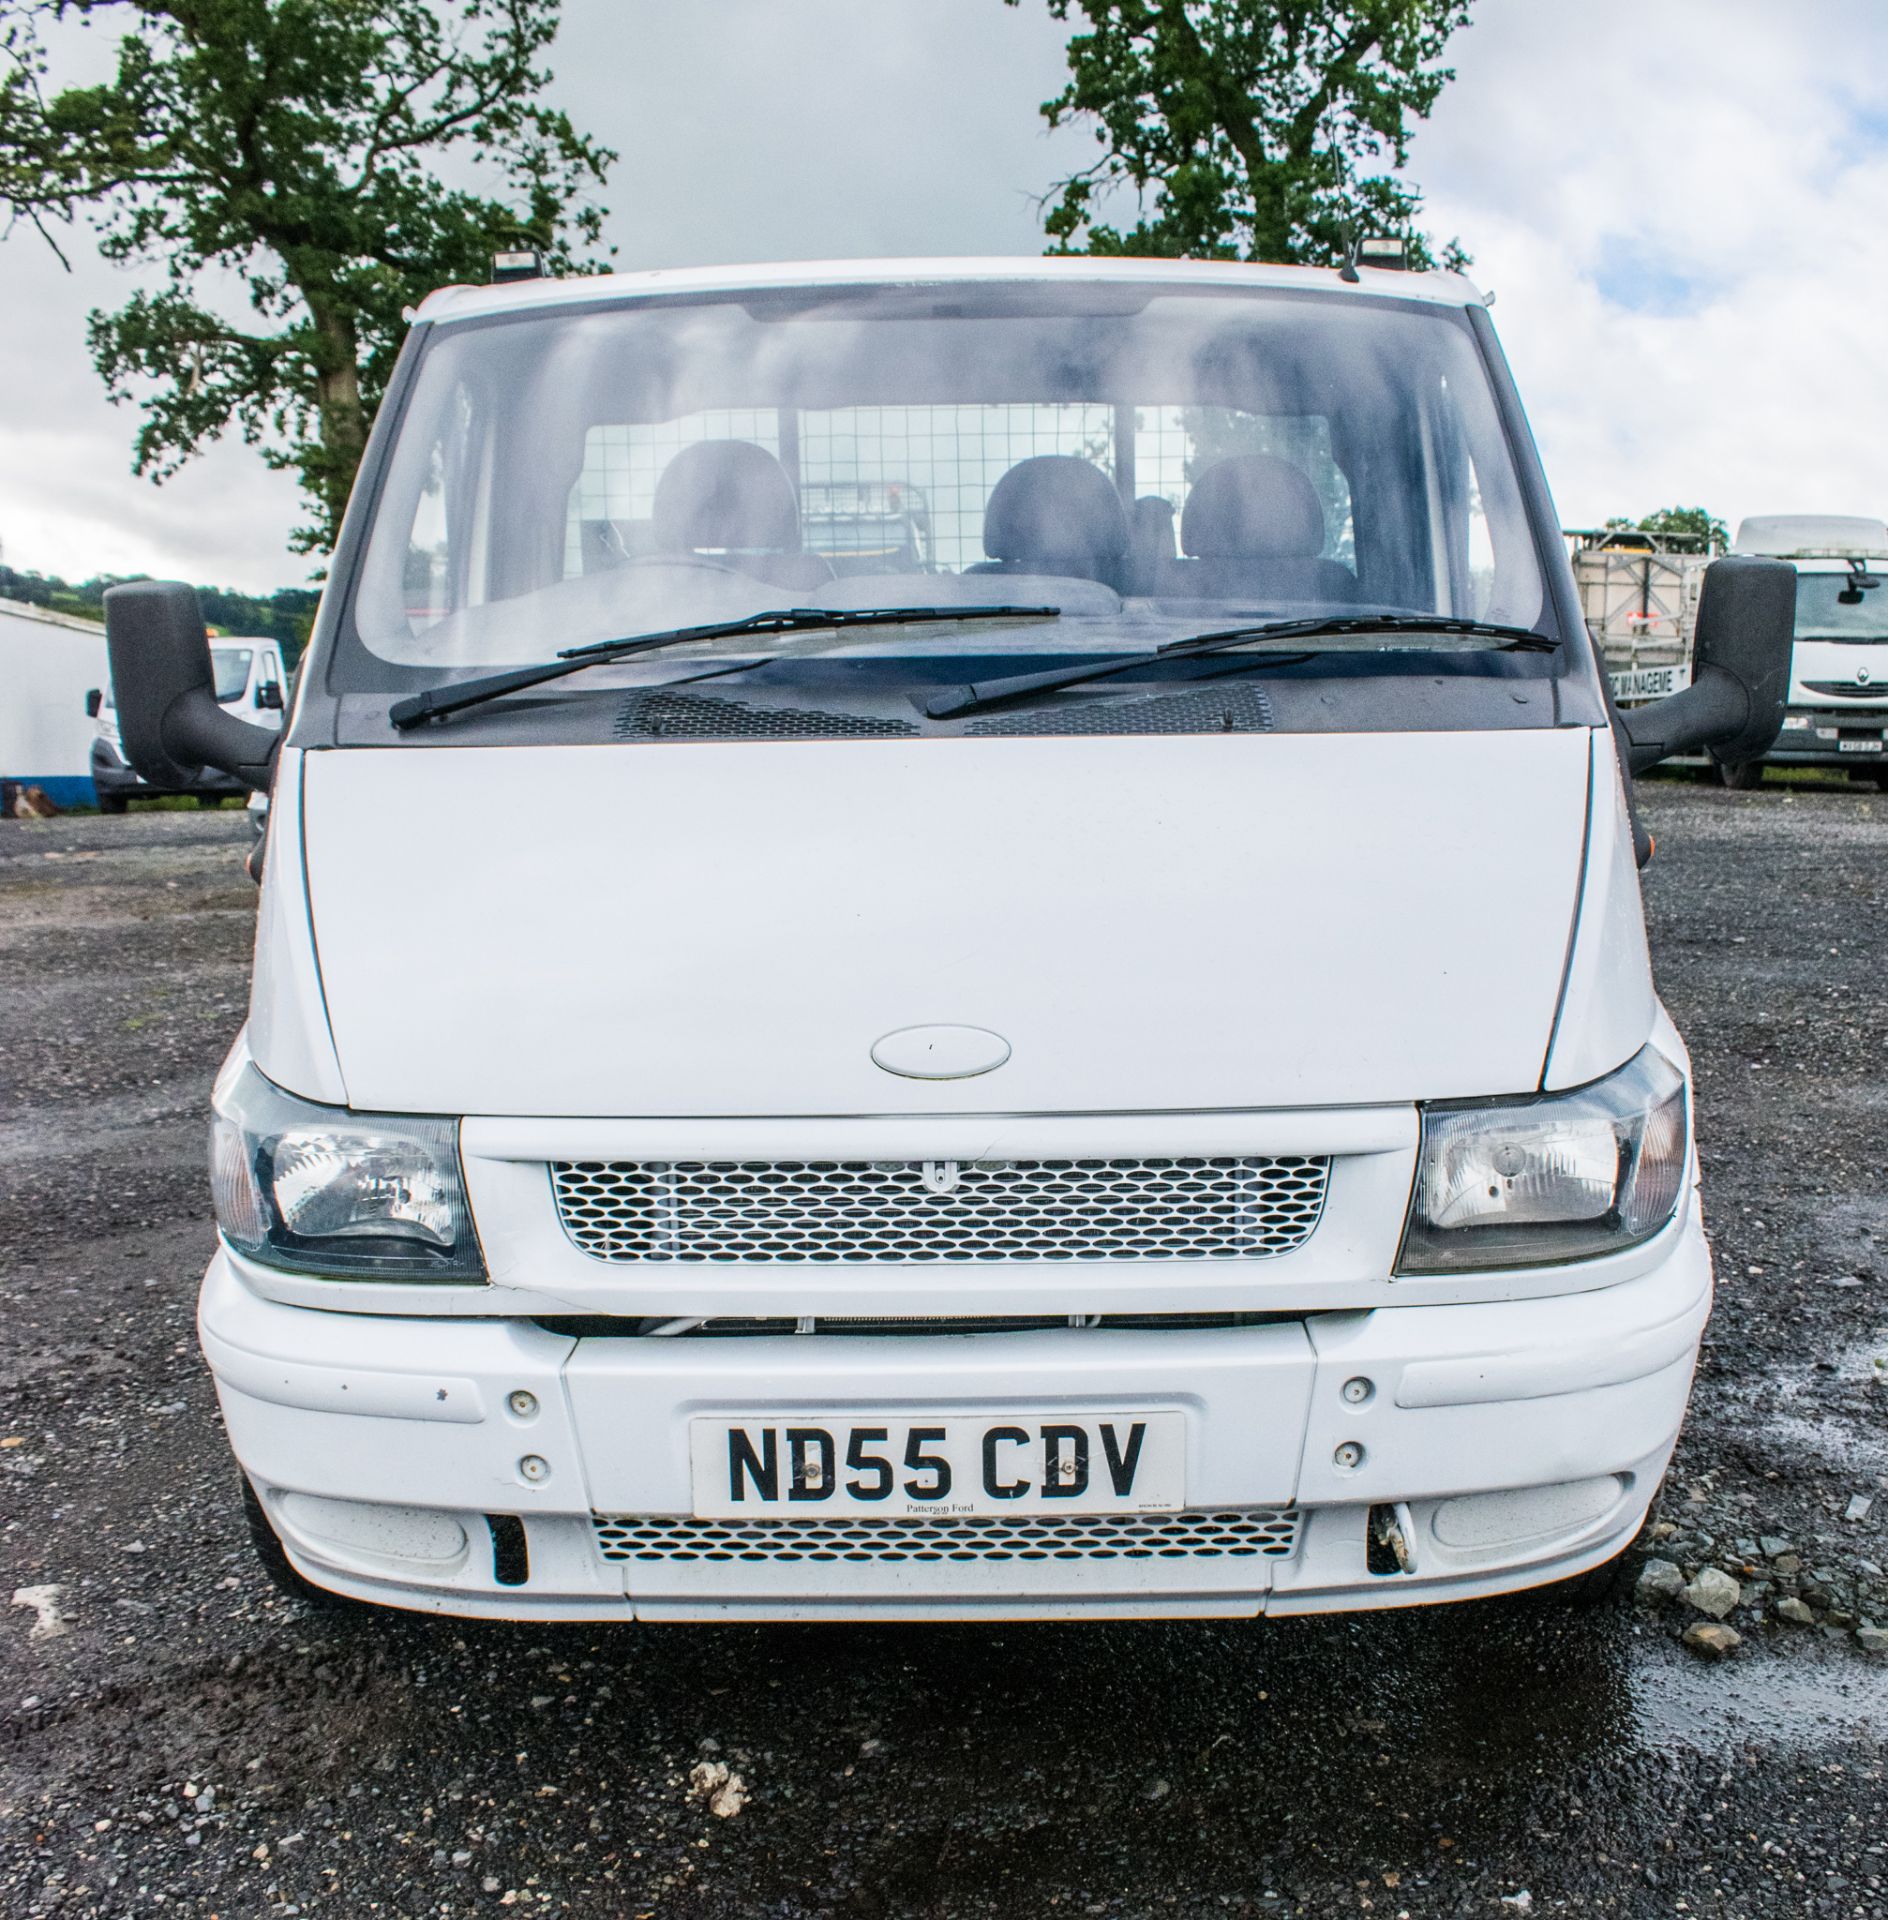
{"points": [[168, 717], [1740, 675], [269, 696], [94, 699]]}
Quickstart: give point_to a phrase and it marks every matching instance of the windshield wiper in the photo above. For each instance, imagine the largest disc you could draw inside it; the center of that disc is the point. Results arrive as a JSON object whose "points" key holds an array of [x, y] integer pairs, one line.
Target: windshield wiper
{"points": [[983, 694], [436, 703]]}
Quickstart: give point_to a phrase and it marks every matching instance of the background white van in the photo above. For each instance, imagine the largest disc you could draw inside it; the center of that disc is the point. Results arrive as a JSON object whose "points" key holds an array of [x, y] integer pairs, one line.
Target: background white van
{"points": [[1838, 704]]}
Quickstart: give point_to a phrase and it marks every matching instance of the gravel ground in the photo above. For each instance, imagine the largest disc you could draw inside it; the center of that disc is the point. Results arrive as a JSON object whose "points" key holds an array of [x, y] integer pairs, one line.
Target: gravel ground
{"points": [[193, 1743]]}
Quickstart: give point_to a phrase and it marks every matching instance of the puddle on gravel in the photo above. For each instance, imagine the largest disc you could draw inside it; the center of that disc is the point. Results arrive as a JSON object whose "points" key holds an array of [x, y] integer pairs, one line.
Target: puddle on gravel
{"points": [[1788, 1404], [1589, 1688], [1830, 1442], [1767, 1697]]}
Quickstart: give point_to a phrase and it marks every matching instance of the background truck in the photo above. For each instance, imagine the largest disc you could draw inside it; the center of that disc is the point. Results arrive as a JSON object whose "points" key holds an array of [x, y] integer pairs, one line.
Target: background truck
{"points": [[1639, 593], [1837, 714]]}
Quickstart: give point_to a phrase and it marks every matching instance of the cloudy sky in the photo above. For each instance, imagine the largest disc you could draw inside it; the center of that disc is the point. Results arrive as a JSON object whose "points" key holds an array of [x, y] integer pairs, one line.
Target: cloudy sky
{"points": [[1678, 204]]}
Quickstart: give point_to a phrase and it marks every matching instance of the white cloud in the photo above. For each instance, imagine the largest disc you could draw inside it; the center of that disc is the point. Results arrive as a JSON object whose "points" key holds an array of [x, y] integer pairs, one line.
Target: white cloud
{"points": [[1676, 201], [821, 129], [1673, 204]]}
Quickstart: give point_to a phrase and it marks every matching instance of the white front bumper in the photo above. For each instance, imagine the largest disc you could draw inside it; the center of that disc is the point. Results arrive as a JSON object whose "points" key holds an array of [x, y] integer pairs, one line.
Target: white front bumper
{"points": [[382, 1448]]}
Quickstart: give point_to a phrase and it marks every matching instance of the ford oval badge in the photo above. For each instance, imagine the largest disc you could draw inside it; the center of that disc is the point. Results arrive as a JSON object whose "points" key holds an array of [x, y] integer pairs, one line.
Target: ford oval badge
{"points": [[940, 1053]]}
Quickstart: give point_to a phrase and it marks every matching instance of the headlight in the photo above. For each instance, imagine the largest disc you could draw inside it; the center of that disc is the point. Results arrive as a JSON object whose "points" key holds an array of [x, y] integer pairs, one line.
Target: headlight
{"points": [[364, 1196], [1521, 1183]]}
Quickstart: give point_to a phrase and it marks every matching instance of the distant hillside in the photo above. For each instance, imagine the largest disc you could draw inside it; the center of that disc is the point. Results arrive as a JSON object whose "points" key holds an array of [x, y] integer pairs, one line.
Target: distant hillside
{"points": [[284, 616]]}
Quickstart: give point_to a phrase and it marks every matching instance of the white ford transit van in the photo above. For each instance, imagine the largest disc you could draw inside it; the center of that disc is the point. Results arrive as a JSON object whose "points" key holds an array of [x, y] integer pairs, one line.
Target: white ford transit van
{"points": [[1102, 1064]]}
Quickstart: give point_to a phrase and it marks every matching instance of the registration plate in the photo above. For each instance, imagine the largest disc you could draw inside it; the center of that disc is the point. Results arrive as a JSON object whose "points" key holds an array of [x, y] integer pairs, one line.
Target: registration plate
{"points": [[896, 1466], [1859, 746]]}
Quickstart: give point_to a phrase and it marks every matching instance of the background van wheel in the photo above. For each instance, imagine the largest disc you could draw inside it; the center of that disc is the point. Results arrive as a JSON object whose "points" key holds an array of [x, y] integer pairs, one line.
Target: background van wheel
{"points": [[275, 1562], [1743, 778], [209, 799], [1880, 777], [111, 803]]}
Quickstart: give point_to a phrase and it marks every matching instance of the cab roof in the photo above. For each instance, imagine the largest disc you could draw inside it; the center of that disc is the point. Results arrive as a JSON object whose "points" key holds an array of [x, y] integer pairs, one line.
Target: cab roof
{"points": [[467, 303], [1790, 536]]}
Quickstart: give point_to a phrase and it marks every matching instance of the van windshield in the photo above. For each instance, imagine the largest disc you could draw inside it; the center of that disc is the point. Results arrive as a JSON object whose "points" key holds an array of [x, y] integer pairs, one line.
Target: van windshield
{"points": [[231, 667], [1822, 615], [1152, 462]]}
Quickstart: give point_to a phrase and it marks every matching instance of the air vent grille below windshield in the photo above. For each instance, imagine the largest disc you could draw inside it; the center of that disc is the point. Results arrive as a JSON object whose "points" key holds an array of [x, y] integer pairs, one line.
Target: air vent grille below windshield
{"points": [[1199, 710], [693, 716]]}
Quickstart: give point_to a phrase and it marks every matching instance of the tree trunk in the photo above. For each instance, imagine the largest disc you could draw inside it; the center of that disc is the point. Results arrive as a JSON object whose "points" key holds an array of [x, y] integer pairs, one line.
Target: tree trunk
{"points": [[1271, 225], [341, 417]]}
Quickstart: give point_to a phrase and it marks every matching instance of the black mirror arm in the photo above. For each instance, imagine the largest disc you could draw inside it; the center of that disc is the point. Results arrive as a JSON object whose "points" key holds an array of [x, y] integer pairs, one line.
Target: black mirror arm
{"points": [[1715, 707], [196, 729]]}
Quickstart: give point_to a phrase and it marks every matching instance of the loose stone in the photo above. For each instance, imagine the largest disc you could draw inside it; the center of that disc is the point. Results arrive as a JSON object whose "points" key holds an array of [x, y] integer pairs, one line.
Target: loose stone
{"points": [[1711, 1641], [1660, 1580], [1713, 1592]]}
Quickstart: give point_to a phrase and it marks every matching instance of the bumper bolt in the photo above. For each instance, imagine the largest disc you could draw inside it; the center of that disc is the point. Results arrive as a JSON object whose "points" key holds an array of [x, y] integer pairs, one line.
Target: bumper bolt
{"points": [[1358, 1392], [524, 1404], [1349, 1457], [534, 1468]]}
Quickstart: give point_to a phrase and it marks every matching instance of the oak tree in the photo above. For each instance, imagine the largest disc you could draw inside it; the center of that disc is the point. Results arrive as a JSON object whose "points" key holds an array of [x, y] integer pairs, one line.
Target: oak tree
{"points": [[1697, 526], [1249, 129]]}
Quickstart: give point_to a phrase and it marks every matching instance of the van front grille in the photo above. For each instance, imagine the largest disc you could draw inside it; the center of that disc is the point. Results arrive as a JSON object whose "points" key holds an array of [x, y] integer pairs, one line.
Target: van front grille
{"points": [[840, 1212], [1871, 689], [1233, 1533]]}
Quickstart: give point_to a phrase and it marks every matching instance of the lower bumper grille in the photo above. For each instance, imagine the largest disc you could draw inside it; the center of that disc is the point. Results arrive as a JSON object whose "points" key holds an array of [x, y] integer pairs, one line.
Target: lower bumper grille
{"points": [[1222, 1534]]}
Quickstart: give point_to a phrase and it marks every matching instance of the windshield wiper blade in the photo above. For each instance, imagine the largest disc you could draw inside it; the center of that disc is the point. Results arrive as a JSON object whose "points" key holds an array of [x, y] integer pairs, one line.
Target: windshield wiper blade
{"points": [[980, 695], [437, 702]]}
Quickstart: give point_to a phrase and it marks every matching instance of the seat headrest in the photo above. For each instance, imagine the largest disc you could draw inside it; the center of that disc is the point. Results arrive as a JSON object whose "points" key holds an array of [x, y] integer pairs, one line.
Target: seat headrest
{"points": [[1055, 507], [1152, 521], [725, 494], [1253, 507]]}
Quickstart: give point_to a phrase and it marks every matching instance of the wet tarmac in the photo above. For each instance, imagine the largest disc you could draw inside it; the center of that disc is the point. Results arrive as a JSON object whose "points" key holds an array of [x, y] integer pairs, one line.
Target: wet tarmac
{"points": [[189, 1742]]}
